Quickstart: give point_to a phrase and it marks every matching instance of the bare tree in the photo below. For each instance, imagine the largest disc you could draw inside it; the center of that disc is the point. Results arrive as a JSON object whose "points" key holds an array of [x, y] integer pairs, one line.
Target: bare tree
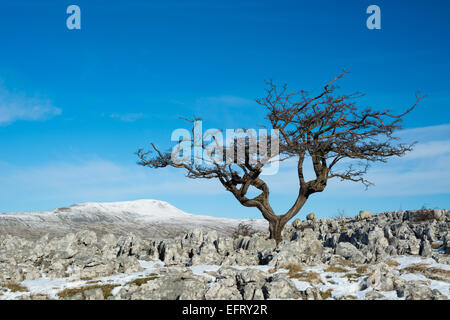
{"points": [[325, 128]]}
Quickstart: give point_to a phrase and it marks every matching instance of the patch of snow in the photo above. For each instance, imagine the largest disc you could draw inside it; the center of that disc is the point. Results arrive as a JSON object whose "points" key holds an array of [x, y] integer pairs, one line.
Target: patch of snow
{"points": [[301, 285], [441, 286], [9, 295], [201, 270], [391, 295], [51, 287], [406, 261]]}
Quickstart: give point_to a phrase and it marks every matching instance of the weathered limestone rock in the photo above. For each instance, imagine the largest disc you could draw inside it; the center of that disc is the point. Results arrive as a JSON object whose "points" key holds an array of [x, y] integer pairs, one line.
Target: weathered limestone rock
{"points": [[169, 287], [311, 294], [250, 283], [349, 252], [382, 278], [280, 286], [225, 286], [425, 248], [93, 294], [373, 295], [364, 214], [417, 292]]}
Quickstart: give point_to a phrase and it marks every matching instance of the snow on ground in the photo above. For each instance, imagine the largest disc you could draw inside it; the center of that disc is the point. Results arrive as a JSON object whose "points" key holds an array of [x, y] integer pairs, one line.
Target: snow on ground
{"points": [[342, 286], [201, 270], [301, 285], [442, 286], [338, 283], [51, 287], [406, 261]]}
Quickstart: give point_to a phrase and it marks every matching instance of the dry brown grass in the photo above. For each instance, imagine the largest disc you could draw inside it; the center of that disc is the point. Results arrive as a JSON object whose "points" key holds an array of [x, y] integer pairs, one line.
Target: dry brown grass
{"points": [[362, 269], [418, 267], [308, 276], [296, 271], [437, 277], [292, 269], [335, 269], [358, 273], [106, 289], [345, 262], [14, 287], [67, 293], [436, 245], [326, 294], [139, 282], [352, 277], [429, 272], [441, 271], [392, 263], [39, 296]]}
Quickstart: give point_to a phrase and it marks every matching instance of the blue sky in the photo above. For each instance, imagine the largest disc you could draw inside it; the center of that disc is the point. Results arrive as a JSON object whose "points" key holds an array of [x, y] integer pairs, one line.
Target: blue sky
{"points": [[76, 104]]}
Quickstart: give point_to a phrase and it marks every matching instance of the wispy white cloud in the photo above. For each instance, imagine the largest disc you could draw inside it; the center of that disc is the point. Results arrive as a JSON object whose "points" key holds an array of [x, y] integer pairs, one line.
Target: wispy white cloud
{"points": [[423, 171], [96, 179], [431, 149], [424, 134], [16, 106], [127, 117]]}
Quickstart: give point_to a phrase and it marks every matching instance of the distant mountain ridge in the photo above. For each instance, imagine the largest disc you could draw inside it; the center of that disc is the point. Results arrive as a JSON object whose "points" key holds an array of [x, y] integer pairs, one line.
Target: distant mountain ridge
{"points": [[146, 218]]}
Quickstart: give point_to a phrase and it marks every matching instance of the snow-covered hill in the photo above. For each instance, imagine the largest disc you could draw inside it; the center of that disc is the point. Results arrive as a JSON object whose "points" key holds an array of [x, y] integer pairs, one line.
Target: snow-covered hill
{"points": [[146, 218]]}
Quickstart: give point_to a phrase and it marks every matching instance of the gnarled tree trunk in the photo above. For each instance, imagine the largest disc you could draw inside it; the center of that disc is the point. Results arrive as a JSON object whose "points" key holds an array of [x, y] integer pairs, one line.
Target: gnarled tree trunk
{"points": [[277, 223], [275, 228]]}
